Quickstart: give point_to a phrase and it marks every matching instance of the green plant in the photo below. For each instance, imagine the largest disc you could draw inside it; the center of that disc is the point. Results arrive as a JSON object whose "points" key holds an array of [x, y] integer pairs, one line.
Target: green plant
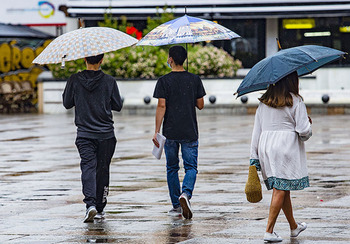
{"points": [[115, 23], [210, 61], [70, 68], [136, 62]]}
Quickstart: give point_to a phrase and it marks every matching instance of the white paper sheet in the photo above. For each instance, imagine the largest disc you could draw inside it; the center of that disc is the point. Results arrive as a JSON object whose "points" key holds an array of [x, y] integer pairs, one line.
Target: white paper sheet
{"points": [[157, 151]]}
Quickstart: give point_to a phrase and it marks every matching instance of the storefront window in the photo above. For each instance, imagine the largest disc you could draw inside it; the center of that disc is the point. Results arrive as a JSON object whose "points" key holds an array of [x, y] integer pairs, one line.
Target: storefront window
{"points": [[330, 32], [250, 49]]}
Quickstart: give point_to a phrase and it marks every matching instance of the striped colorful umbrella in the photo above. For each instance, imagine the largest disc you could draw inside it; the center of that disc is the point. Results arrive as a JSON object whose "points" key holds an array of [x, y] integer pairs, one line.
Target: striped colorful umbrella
{"points": [[186, 29], [84, 42]]}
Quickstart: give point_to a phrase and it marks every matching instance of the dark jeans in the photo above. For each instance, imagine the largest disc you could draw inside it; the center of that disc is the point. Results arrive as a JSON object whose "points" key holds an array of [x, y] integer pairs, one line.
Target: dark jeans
{"points": [[95, 157], [189, 151]]}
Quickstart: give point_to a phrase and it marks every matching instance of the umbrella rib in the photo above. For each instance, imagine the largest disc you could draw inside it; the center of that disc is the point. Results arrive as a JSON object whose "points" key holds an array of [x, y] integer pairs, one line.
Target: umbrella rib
{"points": [[306, 53]]}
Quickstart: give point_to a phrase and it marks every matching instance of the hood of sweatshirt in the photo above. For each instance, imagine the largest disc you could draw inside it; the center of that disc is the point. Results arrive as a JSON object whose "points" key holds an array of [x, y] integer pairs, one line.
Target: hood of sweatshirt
{"points": [[90, 78]]}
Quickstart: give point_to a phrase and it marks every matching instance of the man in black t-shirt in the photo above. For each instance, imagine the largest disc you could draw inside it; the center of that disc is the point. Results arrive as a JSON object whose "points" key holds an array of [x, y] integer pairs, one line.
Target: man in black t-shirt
{"points": [[179, 93]]}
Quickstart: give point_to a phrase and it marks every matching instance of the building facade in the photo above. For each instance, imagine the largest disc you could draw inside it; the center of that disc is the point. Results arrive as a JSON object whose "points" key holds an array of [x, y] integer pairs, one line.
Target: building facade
{"points": [[259, 22]]}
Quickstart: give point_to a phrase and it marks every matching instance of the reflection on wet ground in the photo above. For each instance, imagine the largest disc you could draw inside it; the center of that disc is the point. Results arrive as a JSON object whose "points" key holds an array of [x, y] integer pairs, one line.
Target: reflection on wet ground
{"points": [[41, 191]]}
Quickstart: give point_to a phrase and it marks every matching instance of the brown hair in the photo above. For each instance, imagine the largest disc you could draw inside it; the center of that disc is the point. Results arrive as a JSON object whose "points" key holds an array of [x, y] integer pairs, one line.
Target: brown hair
{"points": [[278, 94]]}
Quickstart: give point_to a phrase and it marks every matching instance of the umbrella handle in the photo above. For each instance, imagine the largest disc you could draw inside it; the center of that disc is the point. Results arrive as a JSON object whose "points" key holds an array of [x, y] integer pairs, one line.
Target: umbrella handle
{"points": [[279, 44], [63, 64], [81, 23]]}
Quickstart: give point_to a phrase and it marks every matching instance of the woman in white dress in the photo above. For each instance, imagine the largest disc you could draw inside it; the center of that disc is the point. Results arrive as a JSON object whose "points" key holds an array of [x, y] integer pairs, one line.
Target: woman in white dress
{"points": [[277, 149]]}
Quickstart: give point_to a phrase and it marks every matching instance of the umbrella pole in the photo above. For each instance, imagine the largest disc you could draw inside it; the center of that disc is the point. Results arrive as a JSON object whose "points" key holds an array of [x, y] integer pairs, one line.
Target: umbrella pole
{"points": [[186, 43], [187, 57]]}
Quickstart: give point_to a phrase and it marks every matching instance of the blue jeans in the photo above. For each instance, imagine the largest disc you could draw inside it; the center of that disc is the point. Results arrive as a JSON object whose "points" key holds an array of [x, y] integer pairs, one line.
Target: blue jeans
{"points": [[189, 150]]}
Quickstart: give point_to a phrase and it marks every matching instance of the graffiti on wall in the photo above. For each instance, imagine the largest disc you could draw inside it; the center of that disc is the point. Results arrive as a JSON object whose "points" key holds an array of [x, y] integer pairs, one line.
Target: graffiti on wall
{"points": [[16, 62], [18, 76]]}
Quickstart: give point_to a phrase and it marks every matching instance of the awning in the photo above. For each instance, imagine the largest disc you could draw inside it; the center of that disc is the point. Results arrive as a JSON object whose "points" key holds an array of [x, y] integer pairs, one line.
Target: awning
{"points": [[218, 9], [21, 31]]}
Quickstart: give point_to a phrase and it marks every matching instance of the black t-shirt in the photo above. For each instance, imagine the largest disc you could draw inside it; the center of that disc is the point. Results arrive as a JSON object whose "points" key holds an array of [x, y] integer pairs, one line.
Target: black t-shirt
{"points": [[181, 91]]}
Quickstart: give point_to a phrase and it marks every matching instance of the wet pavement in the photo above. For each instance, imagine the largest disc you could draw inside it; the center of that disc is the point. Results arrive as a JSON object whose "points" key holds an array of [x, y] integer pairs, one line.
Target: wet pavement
{"points": [[41, 200]]}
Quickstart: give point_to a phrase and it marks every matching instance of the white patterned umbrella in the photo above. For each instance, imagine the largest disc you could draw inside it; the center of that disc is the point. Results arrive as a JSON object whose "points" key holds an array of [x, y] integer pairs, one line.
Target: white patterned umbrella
{"points": [[82, 43]]}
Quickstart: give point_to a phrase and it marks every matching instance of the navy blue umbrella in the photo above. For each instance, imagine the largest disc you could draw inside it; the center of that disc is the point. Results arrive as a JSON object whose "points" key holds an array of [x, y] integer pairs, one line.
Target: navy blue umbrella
{"points": [[303, 59]]}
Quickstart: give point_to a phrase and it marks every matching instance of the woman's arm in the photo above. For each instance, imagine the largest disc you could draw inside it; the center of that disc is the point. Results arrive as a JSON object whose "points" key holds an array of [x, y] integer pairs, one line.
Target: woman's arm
{"points": [[254, 153], [302, 122]]}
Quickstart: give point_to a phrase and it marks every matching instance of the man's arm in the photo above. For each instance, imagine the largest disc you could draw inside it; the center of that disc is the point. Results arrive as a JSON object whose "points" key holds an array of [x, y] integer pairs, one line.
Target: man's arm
{"points": [[116, 101], [160, 112], [68, 95], [200, 103]]}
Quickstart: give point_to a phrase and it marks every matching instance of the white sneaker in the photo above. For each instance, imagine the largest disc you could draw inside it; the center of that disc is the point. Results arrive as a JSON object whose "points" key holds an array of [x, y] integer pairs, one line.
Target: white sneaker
{"points": [[175, 211], [301, 227], [185, 206], [100, 215], [90, 214], [272, 237]]}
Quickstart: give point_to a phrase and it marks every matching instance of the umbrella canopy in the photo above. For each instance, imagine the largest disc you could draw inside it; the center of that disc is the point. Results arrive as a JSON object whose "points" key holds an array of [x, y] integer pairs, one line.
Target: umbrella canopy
{"points": [[303, 59], [186, 29], [84, 42]]}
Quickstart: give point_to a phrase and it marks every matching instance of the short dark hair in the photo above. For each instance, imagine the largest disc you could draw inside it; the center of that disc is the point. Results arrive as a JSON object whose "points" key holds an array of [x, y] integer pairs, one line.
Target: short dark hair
{"points": [[179, 54], [94, 59]]}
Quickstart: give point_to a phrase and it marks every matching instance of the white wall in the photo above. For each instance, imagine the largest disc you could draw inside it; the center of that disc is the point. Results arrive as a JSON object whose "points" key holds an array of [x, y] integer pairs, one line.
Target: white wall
{"points": [[271, 35], [332, 81], [72, 24]]}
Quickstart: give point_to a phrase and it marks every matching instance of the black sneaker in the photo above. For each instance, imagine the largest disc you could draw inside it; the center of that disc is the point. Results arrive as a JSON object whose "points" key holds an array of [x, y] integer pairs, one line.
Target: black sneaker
{"points": [[185, 206], [90, 214]]}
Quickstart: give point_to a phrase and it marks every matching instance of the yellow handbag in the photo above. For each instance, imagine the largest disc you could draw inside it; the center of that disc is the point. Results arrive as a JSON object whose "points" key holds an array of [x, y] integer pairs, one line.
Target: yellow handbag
{"points": [[253, 186]]}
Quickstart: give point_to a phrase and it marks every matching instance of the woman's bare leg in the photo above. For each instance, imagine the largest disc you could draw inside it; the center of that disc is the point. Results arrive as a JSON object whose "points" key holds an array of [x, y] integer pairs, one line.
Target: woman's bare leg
{"points": [[277, 202], [288, 211]]}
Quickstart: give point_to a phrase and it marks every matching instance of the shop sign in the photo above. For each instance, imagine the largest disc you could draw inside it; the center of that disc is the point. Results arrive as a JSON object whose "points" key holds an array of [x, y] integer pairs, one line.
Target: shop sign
{"points": [[33, 12], [298, 23]]}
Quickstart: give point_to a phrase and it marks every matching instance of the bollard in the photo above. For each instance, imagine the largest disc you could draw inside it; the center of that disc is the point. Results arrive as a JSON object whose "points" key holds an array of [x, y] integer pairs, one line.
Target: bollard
{"points": [[325, 98], [147, 99], [212, 99], [244, 99]]}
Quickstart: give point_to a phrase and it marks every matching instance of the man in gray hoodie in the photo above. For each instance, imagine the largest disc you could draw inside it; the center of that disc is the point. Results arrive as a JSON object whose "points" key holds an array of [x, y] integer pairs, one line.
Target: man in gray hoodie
{"points": [[94, 95]]}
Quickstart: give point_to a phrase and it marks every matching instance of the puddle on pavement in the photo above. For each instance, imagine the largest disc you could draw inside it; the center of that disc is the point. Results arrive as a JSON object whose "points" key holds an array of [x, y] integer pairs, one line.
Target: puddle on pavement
{"points": [[26, 173], [259, 219], [23, 138], [138, 207], [117, 212], [129, 158], [17, 160], [54, 189], [106, 240], [33, 199], [97, 230], [319, 152], [20, 129], [50, 195], [125, 188], [226, 172], [99, 233], [179, 232], [334, 183]]}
